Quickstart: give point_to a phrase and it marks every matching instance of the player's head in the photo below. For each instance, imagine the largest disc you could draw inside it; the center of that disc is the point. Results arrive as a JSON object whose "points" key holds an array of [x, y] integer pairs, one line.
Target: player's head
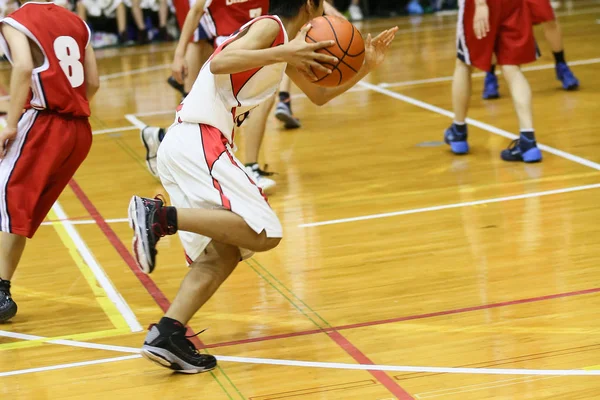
{"points": [[308, 9]]}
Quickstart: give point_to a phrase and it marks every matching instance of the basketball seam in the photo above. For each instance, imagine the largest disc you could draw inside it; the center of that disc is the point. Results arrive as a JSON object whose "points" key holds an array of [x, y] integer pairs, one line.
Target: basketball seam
{"points": [[340, 61], [338, 43]]}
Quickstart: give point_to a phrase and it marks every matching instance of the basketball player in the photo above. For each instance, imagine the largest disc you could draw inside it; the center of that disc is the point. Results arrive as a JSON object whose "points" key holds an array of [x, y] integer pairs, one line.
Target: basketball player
{"points": [[541, 13], [53, 77], [503, 28], [221, 213]]}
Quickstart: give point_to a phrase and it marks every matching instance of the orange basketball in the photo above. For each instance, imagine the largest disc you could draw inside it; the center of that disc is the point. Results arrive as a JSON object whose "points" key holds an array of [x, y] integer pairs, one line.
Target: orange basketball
{"points": [[349, 48]]}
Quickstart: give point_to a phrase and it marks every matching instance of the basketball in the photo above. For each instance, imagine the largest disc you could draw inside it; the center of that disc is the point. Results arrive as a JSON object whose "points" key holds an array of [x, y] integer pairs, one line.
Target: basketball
{"points": [[349, 49]]}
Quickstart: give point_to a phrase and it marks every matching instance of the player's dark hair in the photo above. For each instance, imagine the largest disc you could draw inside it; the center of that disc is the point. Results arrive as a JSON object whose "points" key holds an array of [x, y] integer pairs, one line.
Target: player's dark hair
{"points": [[289, 8]]}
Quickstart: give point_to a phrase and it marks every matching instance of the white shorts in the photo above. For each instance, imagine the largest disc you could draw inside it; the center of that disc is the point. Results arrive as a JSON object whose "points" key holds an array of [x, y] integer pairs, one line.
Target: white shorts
{"points": [[198, 169]]}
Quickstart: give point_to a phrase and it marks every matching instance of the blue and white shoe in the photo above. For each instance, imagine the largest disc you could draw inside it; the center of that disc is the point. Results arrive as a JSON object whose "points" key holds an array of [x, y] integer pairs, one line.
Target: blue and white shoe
{"points": [[490, 87], [564, 74], [522, 149], [456, 140]]}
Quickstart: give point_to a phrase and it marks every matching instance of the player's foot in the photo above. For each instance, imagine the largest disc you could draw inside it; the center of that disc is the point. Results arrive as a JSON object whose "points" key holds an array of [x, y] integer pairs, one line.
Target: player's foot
{"points": [[150, 221], [564, 74], [177, 86], [283, 112], [176, 352], [355, 12], [151, 136], [522, 149], [490, 87], [457, 140], [260, 177], [8, 307]]}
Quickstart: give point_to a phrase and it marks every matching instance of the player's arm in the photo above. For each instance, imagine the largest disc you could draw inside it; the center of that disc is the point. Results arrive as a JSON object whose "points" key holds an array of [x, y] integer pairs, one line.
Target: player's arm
{"points": [[481, 20], [90, 69], [253, 50], [192, 19], [329, 9], [20, 81], [375, 51]]}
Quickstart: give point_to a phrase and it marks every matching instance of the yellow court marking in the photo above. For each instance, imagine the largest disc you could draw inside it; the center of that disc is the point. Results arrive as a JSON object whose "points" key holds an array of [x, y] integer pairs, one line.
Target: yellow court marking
{"points": [[77, 336], [107, 305]]}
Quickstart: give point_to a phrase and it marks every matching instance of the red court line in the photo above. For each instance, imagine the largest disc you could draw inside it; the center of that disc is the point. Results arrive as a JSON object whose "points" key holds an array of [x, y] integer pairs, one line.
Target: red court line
{"points": [[361, 358], [164, 303], [409, 317]]}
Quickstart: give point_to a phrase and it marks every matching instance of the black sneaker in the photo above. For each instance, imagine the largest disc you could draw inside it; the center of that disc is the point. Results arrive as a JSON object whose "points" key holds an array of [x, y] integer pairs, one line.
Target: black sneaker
{"points": [[283, 112], [176, 352], [150, 221], [177, 86], [8, 308], [522, 149]]}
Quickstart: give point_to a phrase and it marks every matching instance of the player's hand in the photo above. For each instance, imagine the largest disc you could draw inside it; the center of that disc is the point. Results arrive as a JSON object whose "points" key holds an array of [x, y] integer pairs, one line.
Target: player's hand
{"points": [[179, 68], [6, 138], [481, 21], [376, 48], [304, 55]]}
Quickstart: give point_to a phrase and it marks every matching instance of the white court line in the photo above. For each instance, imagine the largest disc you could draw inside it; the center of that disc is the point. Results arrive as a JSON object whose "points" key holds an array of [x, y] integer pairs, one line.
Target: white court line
{"points": [[65, 366], [86, 221], [479, 124], [134, 72], [72, 343], [114, 130], [482, 74], [139, 124], [450, 206], [97, 270]]}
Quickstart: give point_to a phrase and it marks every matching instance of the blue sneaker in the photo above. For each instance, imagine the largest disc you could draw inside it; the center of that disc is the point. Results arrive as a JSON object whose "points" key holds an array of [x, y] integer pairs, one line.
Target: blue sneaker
{"points": [[490, 87], [414, 7], [522, 149], [456, 140], [564, 74]]}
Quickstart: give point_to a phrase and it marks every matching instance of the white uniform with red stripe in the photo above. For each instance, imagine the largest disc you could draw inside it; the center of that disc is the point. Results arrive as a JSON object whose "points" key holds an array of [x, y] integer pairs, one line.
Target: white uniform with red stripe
{"points": [[195, 160]]}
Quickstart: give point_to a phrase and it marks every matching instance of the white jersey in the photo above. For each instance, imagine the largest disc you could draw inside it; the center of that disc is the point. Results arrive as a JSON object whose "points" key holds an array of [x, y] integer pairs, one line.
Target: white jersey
{"points": [[221, 100]]}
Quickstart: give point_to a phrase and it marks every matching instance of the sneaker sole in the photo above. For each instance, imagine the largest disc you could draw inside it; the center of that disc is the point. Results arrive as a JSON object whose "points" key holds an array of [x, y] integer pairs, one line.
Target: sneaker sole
{"points": [[289, 121], [161, 357], [148, 165], [459, 148], [137, 222]]}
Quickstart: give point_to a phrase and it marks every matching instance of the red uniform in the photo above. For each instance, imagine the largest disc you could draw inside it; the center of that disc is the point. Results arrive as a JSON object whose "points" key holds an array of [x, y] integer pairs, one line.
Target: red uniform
{"points": [[541, 11], [53, 135], [510, 36]]}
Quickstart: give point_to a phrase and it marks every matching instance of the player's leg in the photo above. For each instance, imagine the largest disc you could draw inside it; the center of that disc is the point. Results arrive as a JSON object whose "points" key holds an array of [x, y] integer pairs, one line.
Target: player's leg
{"points": [[220, 201], [166, 343], [138, 18], [471, 52], [564, 74], [490, 84], [121, 15], [515, 47], [456, 134], [254, 131], [11, 249], [283, 111], [542, 13]]}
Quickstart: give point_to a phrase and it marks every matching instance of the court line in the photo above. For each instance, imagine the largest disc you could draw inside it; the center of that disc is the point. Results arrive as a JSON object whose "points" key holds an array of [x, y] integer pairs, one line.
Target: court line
{"points": [[114, 306], [450, 206], [332, 365], [137, 71], [136, 122], [73, 340], [479, 124], [481, 386], [114, 130]]}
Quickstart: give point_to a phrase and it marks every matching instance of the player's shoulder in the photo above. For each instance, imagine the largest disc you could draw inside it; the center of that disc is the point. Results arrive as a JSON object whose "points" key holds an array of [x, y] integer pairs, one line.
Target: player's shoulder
{"points": [[267, 25]]}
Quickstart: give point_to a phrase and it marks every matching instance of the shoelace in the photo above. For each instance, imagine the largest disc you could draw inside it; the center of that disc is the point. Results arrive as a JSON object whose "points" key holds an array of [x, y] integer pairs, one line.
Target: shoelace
{"points": [[189, 342], [514, 144], [157, 227], [264, 172]]}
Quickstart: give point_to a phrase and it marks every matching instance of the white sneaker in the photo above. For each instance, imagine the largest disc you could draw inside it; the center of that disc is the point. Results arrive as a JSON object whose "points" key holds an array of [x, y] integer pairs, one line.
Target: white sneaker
{"points": [[260, 177], [284, 114], [355, 12], [150, 136]]}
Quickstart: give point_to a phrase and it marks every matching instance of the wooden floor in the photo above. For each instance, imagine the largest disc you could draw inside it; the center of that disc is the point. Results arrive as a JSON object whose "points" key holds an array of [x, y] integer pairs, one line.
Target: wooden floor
{"points": [[396, 253]]}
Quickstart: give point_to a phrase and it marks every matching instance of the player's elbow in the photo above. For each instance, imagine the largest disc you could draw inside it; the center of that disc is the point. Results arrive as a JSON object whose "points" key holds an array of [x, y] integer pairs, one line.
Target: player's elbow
{"points": [[320, 99], [217, 67]]}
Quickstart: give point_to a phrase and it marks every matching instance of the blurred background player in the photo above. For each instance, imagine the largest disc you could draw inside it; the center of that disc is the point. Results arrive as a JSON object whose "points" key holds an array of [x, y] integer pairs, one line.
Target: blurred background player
{"points": [[503, 28], [541, 13], [42, 147], [222, 215], [104, 16]]}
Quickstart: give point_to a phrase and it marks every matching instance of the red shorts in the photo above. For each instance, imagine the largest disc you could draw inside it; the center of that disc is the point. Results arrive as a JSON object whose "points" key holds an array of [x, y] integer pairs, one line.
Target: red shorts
{"points": [[40, 162], [510, 36], [182, 7], [541, 11]]}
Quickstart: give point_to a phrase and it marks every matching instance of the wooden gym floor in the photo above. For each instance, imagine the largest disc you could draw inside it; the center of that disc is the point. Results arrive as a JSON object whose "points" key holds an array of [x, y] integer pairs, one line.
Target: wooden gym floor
{"points": [[468, 277]]}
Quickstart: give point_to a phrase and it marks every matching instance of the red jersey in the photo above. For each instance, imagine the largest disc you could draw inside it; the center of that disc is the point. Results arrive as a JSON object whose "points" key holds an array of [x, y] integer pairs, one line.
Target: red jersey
{"points": [[225, 17], [59, 83]]}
